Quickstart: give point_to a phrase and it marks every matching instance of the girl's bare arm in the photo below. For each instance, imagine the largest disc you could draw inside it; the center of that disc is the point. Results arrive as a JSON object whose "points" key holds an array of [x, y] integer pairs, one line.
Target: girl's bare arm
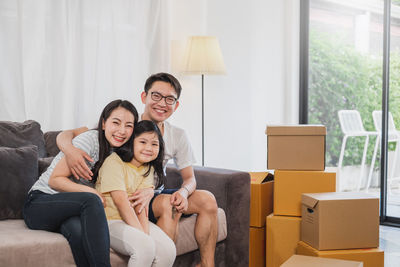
{"points": [[127, 213], [143, 218]]}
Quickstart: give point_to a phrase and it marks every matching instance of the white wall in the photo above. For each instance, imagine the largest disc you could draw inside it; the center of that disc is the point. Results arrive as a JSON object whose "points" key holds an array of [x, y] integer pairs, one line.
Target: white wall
{"points": [[259, 41]]}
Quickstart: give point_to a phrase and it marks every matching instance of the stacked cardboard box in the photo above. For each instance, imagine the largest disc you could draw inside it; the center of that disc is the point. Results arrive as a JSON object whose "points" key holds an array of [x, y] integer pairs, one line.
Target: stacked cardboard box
{"points": [[300, 147], [297, 154], [283, 234], [307, 261], [342, 225], [261, 198], [370, 257], [335, 225]]}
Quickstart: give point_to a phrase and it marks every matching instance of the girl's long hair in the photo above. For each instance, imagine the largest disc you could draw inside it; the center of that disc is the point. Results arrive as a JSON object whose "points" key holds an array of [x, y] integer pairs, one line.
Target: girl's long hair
{"points": [[104, 145], [126, 153]]}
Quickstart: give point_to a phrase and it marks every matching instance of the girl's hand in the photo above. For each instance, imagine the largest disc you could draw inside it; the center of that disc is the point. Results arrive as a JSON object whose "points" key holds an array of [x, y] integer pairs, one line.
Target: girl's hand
{"points": [[142, 198]]}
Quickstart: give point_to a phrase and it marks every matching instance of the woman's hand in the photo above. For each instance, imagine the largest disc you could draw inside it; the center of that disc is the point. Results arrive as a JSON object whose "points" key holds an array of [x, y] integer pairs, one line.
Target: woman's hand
{"points": [[142, 198], [75, 159]]}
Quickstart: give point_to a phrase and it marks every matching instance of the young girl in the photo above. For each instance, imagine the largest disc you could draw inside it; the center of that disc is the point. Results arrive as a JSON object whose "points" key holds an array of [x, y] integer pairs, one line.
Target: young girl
{"points": [[57, 204], [122, 173]]}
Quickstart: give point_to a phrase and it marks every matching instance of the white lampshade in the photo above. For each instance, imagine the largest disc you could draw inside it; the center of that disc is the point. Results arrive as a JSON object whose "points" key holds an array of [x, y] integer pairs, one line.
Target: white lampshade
{"points": [[203, 56]]}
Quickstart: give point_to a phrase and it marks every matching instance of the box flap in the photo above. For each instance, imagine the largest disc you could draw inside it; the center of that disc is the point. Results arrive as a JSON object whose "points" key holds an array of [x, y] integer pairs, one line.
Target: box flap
{"points": [[341, 196], [309, 201], [260, 177], [306, 129]]}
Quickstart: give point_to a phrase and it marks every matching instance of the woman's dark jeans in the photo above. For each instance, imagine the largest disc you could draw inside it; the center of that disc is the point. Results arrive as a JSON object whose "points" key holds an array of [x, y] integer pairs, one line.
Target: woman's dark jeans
{"points": [[79, 217]]}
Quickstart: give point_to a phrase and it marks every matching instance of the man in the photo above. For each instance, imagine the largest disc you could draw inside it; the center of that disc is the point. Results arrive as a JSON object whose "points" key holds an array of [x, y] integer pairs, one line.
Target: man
{"points": [[161, 98]]}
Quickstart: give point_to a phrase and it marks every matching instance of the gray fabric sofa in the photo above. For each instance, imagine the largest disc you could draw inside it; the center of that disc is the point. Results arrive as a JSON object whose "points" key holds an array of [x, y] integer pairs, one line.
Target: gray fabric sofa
{"points": [[25, 152]]}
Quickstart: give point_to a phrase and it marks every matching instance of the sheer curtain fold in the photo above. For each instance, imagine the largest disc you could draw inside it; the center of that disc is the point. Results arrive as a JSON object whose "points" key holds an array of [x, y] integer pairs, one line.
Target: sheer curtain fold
{"points": [[62, 61]]}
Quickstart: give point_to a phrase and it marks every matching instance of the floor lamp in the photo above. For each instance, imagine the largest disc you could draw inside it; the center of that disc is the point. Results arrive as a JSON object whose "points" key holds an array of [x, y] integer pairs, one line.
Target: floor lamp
{"points": [[203, 56]]}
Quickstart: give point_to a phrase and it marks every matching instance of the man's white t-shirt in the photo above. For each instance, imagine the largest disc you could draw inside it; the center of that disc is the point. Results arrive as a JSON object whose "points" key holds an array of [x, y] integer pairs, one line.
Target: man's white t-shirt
{"points": [[177, 147]]}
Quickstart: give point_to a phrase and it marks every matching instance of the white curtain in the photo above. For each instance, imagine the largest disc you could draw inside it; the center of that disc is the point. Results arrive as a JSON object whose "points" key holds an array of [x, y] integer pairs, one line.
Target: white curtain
{"points": [[61, 61]]}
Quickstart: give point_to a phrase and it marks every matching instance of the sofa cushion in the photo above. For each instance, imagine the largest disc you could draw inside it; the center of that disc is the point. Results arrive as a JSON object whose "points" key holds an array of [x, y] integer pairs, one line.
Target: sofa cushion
{"points": [[19, 170], [17, 134], [186, 241], [44, 163], [51, 144], [21, 246]]}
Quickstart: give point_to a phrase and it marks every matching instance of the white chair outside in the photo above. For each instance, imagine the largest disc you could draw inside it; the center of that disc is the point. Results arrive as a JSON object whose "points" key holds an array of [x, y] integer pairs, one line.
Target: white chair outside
{"points": [[393, 136], [352, 126]]}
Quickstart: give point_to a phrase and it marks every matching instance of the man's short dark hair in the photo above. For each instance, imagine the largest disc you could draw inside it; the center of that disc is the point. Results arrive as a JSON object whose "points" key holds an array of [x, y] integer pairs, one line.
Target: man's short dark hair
{"points": [[163, 77]]}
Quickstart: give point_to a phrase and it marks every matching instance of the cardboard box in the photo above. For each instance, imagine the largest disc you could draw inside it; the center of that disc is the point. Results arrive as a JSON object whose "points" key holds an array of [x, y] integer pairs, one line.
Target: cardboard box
{"points": [[283, 234], [300, 147], [257, 247], [289, 185], [340, 220], [261, 197], [307, 261], [370, 257]]}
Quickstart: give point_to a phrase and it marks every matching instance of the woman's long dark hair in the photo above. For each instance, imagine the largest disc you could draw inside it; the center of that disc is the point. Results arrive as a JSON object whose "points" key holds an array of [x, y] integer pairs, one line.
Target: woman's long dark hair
{"points": [[126, 153], [104, 146]]}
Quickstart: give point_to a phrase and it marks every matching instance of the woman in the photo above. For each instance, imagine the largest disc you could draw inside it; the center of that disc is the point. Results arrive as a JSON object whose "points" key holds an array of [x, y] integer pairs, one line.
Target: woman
{"points": [[56, 203]]}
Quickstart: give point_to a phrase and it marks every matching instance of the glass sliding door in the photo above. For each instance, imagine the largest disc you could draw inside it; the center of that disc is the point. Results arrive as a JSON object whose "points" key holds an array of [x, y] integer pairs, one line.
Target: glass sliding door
{"points": [[345, 86], [393, 172], [343, 70]]}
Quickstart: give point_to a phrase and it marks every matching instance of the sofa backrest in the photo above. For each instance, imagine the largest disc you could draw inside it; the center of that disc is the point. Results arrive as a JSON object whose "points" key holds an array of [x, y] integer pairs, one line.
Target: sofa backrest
{"points": [[19, 134], [50, 143]]}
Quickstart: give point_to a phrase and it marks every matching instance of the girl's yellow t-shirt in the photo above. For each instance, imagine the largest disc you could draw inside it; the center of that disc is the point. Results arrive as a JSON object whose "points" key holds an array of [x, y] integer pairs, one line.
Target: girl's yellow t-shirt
{"points": [[116, 174]]}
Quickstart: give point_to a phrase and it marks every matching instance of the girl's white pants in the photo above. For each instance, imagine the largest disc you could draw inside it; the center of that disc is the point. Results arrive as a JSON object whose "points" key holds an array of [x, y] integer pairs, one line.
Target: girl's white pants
{"points": [[156, 249]]}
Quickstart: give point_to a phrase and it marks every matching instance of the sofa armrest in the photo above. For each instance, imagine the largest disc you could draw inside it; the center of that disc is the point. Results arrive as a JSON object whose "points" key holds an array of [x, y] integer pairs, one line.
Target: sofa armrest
{"points": [[232, 192]]}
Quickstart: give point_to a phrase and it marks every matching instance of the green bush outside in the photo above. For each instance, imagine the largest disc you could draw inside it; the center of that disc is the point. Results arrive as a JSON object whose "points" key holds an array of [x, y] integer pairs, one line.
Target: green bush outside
{"points": [[342, 78]]}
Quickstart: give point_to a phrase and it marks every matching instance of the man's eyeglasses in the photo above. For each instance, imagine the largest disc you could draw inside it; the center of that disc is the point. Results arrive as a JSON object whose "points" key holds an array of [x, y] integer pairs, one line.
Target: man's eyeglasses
{"points": [[170, 100]]}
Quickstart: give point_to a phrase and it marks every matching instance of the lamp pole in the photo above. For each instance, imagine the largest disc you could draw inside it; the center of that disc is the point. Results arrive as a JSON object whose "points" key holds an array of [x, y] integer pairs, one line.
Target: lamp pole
{"points": [[202, 119]]}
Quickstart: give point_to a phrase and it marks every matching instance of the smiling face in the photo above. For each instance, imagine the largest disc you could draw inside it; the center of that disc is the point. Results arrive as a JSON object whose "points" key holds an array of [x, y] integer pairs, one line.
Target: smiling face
{"points": [[159, 111], [145, 148], [118, 127]]}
